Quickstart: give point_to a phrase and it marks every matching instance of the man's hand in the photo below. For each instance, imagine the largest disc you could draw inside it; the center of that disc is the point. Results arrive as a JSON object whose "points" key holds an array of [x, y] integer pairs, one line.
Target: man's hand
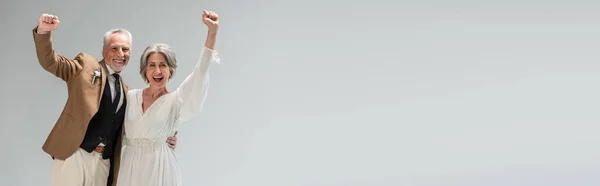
{"points": [[47, 23], [172, 141], [210, 19]]}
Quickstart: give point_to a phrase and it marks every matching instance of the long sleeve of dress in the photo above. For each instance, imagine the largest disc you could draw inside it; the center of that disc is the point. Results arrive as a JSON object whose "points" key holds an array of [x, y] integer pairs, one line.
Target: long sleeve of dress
{"points": [[193, 90]]}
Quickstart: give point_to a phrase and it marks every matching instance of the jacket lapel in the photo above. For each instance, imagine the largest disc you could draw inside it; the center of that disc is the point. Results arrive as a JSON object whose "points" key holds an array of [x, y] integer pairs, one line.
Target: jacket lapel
{"points": [[103, 76]]}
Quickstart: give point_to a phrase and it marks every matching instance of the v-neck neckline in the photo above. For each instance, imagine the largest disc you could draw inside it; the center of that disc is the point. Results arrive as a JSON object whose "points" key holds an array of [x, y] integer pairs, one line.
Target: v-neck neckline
{"points": [[141, 100]]}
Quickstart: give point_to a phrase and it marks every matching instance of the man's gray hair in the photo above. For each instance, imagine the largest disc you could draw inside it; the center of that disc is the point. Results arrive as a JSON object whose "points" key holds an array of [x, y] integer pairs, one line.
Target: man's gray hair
{"points": [[116, 31], [160, 48]]}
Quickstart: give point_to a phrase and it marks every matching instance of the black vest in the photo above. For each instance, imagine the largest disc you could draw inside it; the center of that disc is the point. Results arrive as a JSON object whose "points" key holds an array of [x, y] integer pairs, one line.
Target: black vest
{"points": [[106, 125]]}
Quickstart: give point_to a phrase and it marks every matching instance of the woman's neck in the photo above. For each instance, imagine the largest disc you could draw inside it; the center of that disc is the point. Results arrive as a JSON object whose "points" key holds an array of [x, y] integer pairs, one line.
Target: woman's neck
{"points": [[154, 92]]}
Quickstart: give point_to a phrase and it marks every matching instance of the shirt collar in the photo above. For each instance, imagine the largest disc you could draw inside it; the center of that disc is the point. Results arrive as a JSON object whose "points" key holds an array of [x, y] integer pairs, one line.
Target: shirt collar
{"points": [[110, 70]]}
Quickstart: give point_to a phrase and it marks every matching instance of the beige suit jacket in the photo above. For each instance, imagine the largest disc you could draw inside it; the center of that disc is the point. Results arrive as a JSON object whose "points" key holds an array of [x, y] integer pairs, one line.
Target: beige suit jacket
{"points": [[83, 100]]}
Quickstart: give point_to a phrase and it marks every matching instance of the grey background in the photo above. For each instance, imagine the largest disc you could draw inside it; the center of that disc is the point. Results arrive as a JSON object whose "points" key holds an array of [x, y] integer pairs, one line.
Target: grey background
{"points": [[334, 92]]}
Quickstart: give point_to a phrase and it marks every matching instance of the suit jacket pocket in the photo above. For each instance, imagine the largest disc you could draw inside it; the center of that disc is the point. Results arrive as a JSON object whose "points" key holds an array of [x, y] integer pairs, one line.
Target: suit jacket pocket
{"points": [[64, 122]]}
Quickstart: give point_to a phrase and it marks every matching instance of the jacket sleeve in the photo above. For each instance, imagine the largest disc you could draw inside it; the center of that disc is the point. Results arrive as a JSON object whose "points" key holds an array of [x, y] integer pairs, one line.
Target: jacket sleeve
{"points": [[60, 66]]}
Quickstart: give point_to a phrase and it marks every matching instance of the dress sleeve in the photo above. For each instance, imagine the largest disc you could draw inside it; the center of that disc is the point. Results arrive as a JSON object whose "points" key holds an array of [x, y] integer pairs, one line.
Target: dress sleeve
{"points": [[193, 90]]}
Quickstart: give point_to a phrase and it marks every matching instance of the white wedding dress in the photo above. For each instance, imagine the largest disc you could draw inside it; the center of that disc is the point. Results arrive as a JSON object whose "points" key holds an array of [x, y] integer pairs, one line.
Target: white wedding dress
{"points": [[146, 158]]}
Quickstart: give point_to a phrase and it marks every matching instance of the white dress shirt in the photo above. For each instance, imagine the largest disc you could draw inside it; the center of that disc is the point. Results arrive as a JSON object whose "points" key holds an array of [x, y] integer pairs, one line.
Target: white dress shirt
{"points": [[111, 82]]}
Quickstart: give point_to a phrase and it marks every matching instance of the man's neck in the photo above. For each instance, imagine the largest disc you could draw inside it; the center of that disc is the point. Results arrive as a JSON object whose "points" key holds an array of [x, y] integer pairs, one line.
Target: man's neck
{"points": [[111, 71]]}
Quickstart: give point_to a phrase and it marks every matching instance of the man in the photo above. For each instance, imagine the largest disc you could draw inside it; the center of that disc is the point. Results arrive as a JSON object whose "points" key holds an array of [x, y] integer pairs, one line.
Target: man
{"points": [[85, 142]]}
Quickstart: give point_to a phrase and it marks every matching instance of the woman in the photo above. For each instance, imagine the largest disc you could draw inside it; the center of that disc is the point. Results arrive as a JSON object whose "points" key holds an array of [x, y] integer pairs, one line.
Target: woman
{"points": [[153, 113]]}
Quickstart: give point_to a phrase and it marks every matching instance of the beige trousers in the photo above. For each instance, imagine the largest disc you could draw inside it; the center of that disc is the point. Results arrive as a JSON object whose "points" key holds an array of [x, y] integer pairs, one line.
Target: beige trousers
{"points": [[81, 169]]}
